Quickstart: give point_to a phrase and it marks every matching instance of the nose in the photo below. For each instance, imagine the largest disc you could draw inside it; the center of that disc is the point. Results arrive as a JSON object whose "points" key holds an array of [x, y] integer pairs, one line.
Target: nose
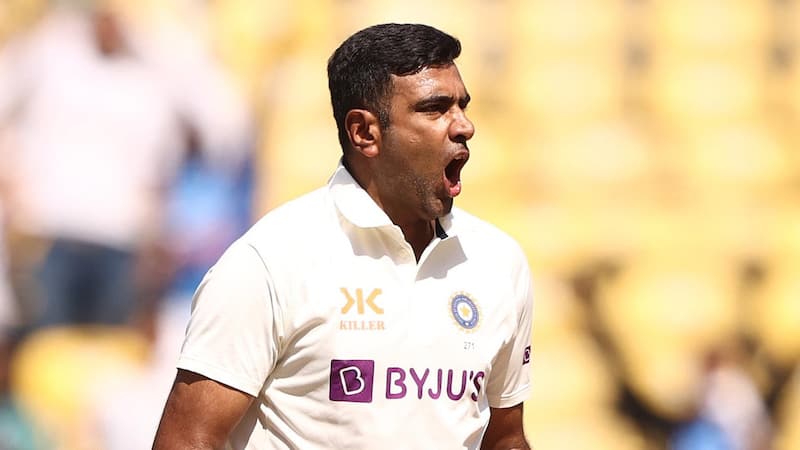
{"points": [[461, 129]]}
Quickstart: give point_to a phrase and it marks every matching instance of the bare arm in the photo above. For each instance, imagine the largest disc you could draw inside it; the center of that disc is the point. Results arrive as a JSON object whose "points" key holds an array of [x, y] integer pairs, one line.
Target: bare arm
{"points": [[200, 413], [505, 431]]}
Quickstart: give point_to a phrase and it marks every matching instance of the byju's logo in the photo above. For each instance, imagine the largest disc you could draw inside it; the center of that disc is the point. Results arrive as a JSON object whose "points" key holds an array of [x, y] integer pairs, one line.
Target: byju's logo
{"points": [[351, 380]]}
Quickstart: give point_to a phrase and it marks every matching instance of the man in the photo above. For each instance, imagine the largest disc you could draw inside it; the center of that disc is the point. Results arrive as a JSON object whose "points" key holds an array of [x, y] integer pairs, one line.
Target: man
{"points": [[369, 313]]}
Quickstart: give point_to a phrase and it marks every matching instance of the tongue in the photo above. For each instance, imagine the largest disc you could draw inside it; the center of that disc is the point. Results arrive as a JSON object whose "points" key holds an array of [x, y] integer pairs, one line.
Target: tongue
{"points": [[453, 189], [452, 183]]}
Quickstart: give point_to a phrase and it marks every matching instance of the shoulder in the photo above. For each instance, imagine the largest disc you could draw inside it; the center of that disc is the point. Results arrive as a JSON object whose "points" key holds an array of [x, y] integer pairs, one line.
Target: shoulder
{"points": [[295, 231], [295, 219], [279, 243], [483, 236], [498, 256]]}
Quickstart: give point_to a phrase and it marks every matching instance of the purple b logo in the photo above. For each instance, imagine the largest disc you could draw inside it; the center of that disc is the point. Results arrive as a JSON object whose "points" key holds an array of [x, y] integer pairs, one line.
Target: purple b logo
{"points": [[351, 380], [526, 357]]}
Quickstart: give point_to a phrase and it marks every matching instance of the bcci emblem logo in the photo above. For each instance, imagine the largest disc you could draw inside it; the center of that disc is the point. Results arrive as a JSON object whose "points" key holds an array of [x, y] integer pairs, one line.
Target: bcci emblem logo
{"points": [[465, 311]]}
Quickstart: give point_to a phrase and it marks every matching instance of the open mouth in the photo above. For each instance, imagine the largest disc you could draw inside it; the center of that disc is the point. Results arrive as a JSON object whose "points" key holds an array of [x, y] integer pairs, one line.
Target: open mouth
{"points": [[452, 174]]}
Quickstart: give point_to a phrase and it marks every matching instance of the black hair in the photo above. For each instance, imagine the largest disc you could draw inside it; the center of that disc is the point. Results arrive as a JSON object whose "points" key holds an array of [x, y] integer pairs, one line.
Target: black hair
{"points": [[359, 71]]}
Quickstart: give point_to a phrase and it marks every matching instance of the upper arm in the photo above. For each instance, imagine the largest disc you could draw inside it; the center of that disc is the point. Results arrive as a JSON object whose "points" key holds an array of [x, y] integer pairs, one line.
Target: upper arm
{"points": [[229, 351], [200, 413], [505, 431], [235, 329]]}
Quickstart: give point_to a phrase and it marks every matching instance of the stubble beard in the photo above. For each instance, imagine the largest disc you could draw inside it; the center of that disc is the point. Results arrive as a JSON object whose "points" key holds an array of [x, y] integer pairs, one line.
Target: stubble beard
{"points": [[433, 203]]}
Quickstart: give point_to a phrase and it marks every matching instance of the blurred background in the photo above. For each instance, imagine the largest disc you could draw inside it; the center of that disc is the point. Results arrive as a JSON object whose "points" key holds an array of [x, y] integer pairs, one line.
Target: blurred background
{"points": [[643, 152]]}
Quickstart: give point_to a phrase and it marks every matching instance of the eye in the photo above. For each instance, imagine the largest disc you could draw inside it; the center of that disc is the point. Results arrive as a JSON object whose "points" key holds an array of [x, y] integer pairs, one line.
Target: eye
{"points": [[435, 105], [435, 108]]}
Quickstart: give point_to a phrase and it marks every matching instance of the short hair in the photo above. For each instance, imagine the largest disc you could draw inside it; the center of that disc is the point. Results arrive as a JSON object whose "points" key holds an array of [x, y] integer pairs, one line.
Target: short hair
{"points": [[359, 71]]}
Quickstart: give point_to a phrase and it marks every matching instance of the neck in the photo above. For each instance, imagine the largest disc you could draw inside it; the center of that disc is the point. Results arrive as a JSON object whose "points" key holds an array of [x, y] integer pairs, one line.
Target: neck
{"points": [[418, 235], [416, 231]]}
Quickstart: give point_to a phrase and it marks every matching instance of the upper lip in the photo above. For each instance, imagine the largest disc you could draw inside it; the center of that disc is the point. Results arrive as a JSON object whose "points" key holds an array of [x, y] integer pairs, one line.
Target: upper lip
{"points": [[461, 155], [452, 170]]}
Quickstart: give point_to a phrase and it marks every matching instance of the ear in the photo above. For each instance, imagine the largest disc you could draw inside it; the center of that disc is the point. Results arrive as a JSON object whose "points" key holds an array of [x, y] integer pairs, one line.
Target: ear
{"points": [[364, 131]]}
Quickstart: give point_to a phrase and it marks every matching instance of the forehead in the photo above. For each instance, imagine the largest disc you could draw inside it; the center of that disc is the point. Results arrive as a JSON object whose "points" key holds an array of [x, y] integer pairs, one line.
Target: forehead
{"points": [[430, 81]]}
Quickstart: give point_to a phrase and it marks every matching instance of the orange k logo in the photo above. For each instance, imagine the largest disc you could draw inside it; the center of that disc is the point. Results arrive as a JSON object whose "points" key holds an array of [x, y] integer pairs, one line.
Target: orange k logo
{"points": [[359, 301]]}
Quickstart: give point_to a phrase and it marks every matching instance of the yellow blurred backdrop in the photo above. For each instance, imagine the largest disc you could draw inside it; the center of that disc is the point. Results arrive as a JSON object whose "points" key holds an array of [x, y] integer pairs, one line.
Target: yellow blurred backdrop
{"points": [[643, 152]]}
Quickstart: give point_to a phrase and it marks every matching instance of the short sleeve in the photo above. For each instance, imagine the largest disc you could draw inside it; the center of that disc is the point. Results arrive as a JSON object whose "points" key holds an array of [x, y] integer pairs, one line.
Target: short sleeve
{"points": [[509, 382], [232, 333]]}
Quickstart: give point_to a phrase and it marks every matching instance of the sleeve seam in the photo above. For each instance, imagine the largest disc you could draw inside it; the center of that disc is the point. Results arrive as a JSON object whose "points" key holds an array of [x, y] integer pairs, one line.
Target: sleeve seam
{"points": [[504, 401], [219, 374]]}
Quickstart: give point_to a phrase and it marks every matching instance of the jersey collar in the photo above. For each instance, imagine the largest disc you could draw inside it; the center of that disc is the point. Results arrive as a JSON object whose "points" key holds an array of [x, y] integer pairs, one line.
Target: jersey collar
{"points": [[355, 204]]}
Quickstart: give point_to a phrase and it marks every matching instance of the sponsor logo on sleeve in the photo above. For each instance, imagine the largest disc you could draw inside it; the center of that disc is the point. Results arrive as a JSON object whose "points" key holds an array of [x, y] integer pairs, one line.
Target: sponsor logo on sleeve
{"points": [[526, 355]]}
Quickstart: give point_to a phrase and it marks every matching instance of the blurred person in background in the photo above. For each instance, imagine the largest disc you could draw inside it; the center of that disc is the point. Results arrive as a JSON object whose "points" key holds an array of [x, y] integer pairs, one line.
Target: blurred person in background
{"points": [[9, 311], [730, 400], [208, 206], [94, 142], [99, 113], [17, 429], [731, 413]]}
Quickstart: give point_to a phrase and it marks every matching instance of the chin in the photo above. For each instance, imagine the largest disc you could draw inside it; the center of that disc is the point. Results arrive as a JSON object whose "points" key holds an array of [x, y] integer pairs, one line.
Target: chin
{"points": [[444, 207], [437, 207], [448, 206]]}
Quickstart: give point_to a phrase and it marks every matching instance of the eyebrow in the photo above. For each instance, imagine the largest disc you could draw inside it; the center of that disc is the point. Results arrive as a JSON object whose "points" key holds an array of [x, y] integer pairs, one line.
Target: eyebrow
{"points": [[438, 100]]}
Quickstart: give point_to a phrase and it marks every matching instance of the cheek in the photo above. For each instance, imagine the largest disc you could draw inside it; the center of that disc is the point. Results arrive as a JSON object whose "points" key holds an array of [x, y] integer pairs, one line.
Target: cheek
{"points": [[430, 142], [419, 147], [427, 132]]}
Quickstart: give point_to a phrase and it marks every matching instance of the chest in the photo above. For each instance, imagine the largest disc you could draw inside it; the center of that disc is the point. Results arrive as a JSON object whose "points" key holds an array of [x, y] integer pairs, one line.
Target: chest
{"points": [[441, 316]]}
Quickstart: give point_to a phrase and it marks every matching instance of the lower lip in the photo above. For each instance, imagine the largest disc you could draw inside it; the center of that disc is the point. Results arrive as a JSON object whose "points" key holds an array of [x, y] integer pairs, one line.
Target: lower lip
{"points": [[453, 189]]}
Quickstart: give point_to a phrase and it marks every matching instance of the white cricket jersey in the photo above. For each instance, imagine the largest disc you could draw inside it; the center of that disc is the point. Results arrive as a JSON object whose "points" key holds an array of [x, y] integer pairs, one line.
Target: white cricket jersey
{"points": [[322, 313]]}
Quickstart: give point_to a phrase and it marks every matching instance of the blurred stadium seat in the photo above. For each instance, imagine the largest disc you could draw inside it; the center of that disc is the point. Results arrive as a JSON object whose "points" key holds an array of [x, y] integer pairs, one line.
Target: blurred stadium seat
{"points": [[299, 136], [58, 373], [724, 28], [555, 29], [774, 315]]}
